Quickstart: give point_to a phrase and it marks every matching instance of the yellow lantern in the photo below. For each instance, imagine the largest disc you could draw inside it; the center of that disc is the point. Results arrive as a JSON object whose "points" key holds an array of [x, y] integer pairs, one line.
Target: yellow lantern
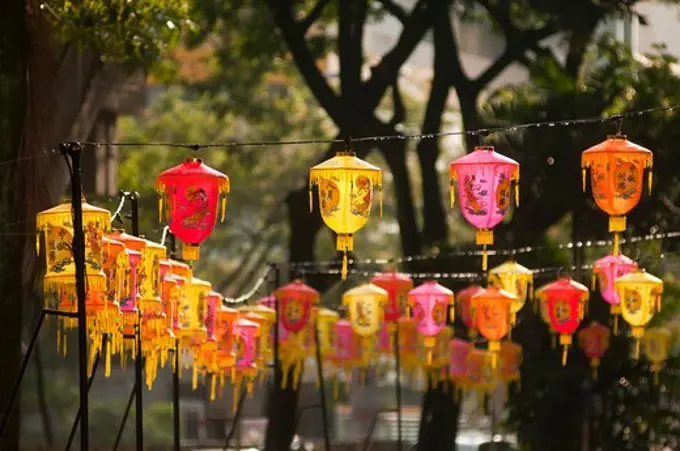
{"points": [[516, 279], [441, 357], [655, 344], [192, 331], [345, 185], [365, 307], [640, 295]]}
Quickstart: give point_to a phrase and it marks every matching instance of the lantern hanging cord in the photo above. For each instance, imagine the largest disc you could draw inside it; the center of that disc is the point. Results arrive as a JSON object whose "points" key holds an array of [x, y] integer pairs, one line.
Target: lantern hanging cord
{"points": [[245, 297], [491, 252], [481, 132], [166, 229], [116, 214]]}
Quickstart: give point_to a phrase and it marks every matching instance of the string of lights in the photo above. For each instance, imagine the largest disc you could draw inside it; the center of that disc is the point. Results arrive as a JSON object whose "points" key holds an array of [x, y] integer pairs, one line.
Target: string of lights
{"points": [[508, 252], [420, 136]]}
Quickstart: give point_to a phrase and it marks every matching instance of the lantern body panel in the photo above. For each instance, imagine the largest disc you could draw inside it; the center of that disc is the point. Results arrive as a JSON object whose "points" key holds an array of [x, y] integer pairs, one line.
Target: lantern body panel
{"points": [[430, 302], [594, 340], [466, 308], [510, 361], [484, 181], [115, 261], [481, 375], [458, 352], [212, 301], [225, 321], [640, 295], [607, 270], [365, 305], [493, 313], [397, 286], [385, 344], [245, 335], [617, 169], [564, 301], [347, 343], [295, 303], [513, 278], [325, 322], [656, 344]]}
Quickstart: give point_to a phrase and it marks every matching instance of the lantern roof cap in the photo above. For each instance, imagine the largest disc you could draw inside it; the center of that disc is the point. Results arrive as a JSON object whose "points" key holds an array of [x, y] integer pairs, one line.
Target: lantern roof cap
{"points": [[343, 162], [610, 259], [343, 323], [658, 330], [494, 292], [300, 288], [431, 287], [638, 277], [177, 278], [112, 242], [565, 283], [328, 313], [224, 309], [62, 215], [130, 241], [510, 267], [366, 289], [484, 155], [155, 245], [243, 322], [255, 317], [392, 277], [468, 291], [215, 294], [200, 282], [615, 144], [133, 253], [259, 308], [192, 167]]}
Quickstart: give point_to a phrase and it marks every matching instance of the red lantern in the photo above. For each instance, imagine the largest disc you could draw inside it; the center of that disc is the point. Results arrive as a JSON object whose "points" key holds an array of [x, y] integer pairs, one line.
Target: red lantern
{"points": [[493, 316], [190, 192], [466, 308], [566, 306], [594, 341], [397, 286]]}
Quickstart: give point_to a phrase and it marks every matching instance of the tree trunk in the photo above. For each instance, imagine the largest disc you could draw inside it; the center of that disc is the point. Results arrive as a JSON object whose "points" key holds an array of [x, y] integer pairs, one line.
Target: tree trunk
{"points": [[439, 419], [13, 86]]}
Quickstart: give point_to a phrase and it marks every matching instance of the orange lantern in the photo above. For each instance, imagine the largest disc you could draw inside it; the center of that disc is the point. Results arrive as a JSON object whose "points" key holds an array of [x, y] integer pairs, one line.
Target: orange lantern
{"points": [[594, 341], [206, 357], [493, 316], [115, 262], [616, 170], [466, 308], [225, 321], [397, 286], [130, 306], [565, 300], [191, 192]]}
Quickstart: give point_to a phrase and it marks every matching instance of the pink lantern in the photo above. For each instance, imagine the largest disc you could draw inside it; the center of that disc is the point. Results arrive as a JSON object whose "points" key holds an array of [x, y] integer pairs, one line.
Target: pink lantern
{"points": [[484, 181], [246, 334], [467, 309], [268, 301], [606, 270], [459, 352], [429, 306]]}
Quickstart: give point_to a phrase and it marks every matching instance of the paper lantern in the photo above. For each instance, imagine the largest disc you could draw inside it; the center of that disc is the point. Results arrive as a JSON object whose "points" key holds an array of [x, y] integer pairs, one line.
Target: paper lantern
{"points": [[510, 362], [513, 278], [594, 341], [606, 270], [56, 224], [655, 344], [458, 356], [207, 356], [325, 323], [545, 317], [616, 172], [385, 344], [190, 192], [493, 316], [345, 185], [565, 300], [484, 180], [408, 344], [114, 263], [365, 306], [466, 308], [180, 273], [397, 286], [440, 357], [640, 295], [430, 304], [246, 334], [268, 301], [192, 331], [295, 302], [481, 374], [347, 350], [266, 318], [169, 295], [225, 321]]}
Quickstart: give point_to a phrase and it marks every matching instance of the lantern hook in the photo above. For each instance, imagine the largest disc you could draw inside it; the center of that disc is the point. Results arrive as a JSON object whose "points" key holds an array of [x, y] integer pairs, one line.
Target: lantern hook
{"points": [[619, 124], [481, 134], [348, 143]]}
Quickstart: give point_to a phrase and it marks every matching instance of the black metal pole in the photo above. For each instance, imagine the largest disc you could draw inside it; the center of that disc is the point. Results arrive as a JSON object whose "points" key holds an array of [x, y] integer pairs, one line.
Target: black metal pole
{"points": [[22, 370], [73, 150], [322, 390], [398, 384], [175, 398], [139, 384], [124, 420], [237, 416], [95, 364]]}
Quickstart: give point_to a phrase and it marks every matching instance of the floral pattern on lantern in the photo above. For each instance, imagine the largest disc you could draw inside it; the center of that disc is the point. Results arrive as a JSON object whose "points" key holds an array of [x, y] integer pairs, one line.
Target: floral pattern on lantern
{"points": [[397, 286], [640, 294], [493, 307], [655, 345], [484, 181], [516, 279], [606, 270], [616, 171], [246, 335], [430, 306], [190, 192], [594, 341], [565, 301], [345, 185], [466, 308]]}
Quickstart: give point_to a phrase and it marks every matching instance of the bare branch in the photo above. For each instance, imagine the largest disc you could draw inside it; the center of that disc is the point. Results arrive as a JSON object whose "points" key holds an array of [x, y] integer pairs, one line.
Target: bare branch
{"points": [[394, 9], [399, 114], [313, 16]]}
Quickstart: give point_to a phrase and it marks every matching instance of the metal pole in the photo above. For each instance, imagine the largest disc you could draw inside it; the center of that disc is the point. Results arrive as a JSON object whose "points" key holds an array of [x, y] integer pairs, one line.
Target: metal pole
{"points": [[139, 384], [398, 385], [22, 370], [95, 364], [74, 151], [237, 415], [175, 398], [322, 390], [124, 420]]}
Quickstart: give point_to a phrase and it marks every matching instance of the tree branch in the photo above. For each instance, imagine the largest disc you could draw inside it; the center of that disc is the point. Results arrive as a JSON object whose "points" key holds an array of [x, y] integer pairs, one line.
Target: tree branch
{"points": [[399, 113], [394, 9], [313, 16]]}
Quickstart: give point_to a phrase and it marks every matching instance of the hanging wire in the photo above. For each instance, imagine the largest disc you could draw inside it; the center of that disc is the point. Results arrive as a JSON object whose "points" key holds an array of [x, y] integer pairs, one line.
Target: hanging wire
{"points": [[166, 229], [478, 132], [250, 293]]}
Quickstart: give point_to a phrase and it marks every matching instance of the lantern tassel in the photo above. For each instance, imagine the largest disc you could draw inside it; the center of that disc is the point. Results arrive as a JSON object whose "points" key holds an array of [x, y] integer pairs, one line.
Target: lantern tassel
{"points": [[650, 177], [595, 373], [107, 367], [311, 200], [617, 244], [583, 179], [565, 349], [593, 280], [485, 258], [381, 202], [616, 324], [194, 379], [517, 193], [344, 270], [452, 194], [636, 354], [224, 207], [160, 209], [213, 387]]}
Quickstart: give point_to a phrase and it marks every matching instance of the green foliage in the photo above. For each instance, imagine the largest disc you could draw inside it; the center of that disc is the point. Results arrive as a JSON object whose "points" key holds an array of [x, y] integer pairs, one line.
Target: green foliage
{"points": [[139, 31]]}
